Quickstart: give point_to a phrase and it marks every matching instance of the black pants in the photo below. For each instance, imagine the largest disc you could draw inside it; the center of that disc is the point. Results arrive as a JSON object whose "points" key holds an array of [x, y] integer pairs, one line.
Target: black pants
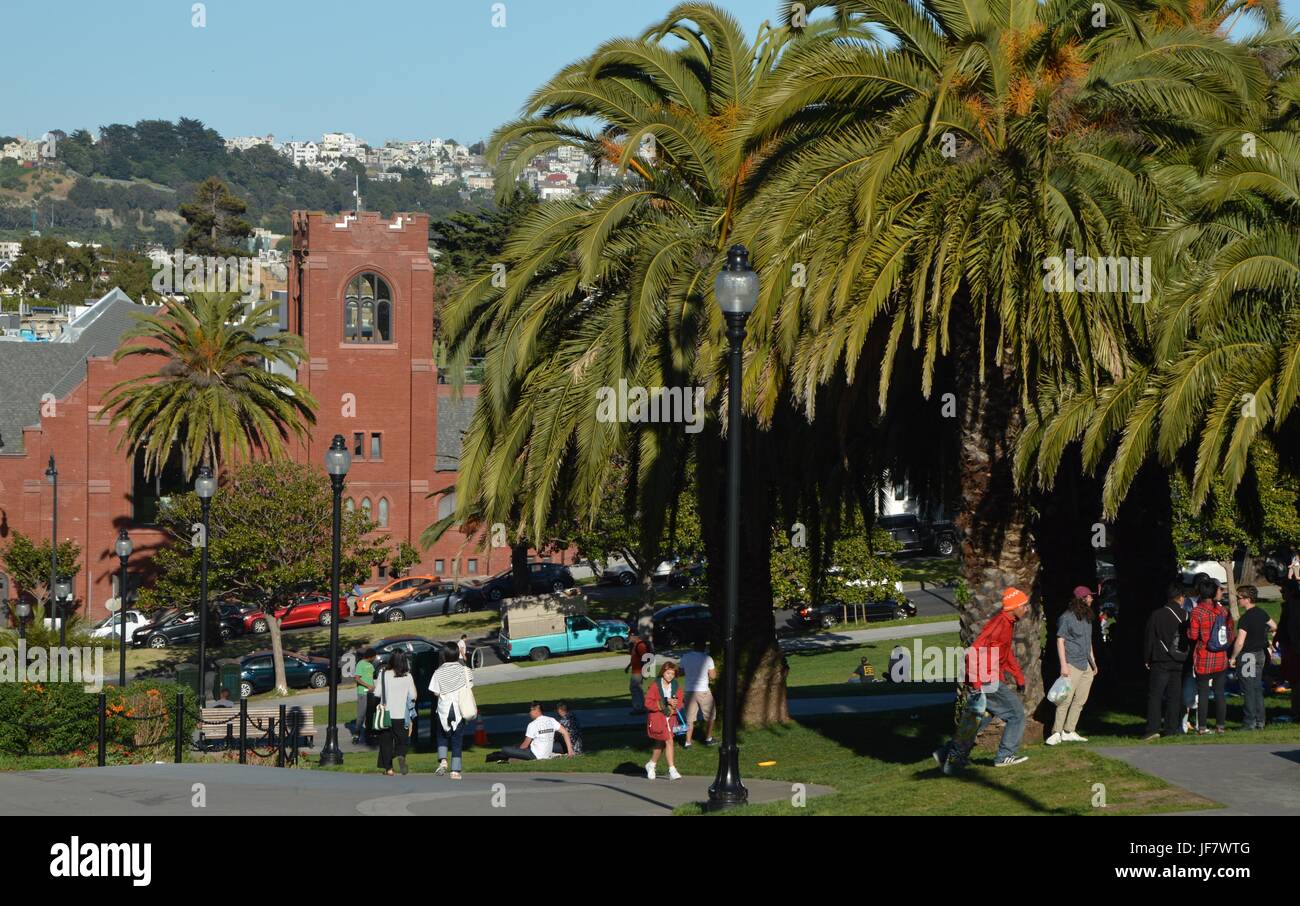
{"points": [[393, 741], [1220, 698], [1250, 672], [1165, 695]]}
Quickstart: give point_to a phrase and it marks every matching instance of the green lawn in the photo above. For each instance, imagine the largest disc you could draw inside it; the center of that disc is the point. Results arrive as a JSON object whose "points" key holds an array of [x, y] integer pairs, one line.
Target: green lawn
{"points": [[878, 765], [940, 572]]}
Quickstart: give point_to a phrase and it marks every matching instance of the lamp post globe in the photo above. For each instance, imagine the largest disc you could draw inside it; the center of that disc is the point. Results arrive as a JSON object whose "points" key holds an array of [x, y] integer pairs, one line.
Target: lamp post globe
{"points": [[123, 548], [337, 463], [24, 612], [205, 487], [736, 291]]}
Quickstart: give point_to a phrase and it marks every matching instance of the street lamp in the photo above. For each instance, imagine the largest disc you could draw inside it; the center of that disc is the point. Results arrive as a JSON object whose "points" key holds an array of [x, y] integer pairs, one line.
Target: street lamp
{"points": [[205, 486], [123, 548], [52, 475], [337, 461], [736, 290], [62, 594], [24, 611]]}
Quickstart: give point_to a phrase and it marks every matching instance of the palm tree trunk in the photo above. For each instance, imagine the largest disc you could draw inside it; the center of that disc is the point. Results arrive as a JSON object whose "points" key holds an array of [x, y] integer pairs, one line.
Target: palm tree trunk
{"points": [[994, 518], [761, 667]]}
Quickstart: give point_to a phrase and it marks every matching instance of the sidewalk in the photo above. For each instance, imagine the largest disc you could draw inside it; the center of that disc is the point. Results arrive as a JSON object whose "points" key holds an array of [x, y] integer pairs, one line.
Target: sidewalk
{"points": [[231, 789], [1248, 778]]}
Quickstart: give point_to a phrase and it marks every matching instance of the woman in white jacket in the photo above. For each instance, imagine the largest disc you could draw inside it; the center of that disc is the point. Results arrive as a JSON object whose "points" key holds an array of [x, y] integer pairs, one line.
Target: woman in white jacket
{"points": [[396, 690], [453, 684]]}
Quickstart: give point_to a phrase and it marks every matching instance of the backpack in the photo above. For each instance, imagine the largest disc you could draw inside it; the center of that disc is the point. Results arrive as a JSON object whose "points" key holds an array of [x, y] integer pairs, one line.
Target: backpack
{"points": [[1218, 640]]}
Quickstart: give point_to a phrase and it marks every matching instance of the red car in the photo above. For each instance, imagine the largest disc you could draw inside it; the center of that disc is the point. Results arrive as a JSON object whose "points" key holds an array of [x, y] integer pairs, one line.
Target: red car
{"points": [[306, 610]]}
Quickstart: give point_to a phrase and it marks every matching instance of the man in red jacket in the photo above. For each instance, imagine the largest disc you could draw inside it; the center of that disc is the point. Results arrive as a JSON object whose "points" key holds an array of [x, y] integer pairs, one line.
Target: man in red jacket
{"points": [[990, 657]]}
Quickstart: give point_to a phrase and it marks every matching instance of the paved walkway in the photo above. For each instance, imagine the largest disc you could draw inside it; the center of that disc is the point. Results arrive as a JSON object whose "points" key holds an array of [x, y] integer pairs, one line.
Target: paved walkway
{"points": [[168, 789], [1248, 778]]}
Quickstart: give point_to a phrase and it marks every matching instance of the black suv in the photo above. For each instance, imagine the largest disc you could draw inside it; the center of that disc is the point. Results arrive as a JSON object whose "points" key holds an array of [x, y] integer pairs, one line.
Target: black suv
{"points": [[542, 578], [681, 626], [181, 629], [917, 535]]}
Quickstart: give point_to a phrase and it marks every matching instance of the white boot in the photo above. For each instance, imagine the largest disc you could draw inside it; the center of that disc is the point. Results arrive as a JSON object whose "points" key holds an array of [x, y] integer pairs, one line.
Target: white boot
{"points": [[1054, 739], [650, 770], [673, 775]]}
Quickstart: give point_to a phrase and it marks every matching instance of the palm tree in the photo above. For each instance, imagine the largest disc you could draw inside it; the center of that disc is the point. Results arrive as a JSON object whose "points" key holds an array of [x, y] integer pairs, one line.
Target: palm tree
{"points": [[620, 289], [923, 187], [215, 393]]}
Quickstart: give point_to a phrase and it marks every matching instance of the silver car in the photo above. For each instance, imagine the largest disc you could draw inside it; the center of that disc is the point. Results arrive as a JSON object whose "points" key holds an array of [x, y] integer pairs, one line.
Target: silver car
{"points": [[432, 601]]}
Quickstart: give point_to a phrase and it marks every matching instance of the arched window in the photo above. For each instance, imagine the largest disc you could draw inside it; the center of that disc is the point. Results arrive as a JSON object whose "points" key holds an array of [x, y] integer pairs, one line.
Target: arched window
{"points": [[383, 512], [365, 508], [368, 310], [349, 505]]}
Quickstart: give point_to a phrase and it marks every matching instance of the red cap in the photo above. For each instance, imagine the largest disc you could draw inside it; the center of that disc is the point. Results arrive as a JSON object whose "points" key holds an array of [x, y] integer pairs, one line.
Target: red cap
{"points": [[1082, 591]]}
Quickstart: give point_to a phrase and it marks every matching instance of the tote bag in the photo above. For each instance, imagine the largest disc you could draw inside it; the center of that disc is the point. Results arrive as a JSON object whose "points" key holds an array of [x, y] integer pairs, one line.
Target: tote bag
{"points": [[382, 719]]}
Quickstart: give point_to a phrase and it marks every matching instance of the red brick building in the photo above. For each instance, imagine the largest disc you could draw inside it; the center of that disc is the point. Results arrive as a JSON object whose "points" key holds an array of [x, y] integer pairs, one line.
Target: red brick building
{"points": [[360, 293]]}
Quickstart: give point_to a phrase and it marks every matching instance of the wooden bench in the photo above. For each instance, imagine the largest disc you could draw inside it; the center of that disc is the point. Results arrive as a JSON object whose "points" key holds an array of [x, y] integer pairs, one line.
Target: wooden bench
{"points": [[213, 723]]}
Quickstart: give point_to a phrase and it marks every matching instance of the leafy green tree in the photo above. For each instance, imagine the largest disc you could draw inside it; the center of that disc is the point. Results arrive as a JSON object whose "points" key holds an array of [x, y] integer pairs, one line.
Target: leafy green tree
{"points": [[406, 556], [860, 569], [271, 536], [27, 563], [215, 217], [212, 395]]}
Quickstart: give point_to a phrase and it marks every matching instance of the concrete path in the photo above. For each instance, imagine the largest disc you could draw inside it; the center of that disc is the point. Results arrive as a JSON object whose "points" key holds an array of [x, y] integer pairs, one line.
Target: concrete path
{"points": [[169, 789], [1248, 778]]}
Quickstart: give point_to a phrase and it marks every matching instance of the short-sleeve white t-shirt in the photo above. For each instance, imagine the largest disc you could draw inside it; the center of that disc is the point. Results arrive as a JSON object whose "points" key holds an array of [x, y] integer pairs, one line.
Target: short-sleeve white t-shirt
{"points": [[542, 733], [696, 665]]}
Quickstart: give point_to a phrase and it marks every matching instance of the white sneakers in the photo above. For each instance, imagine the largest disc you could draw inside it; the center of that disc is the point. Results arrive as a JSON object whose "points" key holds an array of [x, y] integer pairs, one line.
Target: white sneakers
{"points": [[1058, 738], [650, 773]]}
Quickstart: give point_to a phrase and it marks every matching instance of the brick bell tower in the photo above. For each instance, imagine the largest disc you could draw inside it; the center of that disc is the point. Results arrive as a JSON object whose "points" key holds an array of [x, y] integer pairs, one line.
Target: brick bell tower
{"points": [[360, 294]]}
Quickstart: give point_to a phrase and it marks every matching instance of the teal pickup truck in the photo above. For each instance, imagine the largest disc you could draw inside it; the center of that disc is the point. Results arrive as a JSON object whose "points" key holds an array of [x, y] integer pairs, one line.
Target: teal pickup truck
{"points": [[539, 639]]}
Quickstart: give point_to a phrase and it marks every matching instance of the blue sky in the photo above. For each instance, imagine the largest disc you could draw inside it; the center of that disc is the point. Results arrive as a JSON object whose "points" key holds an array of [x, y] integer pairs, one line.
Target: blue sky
{"points": [[381, 69]]}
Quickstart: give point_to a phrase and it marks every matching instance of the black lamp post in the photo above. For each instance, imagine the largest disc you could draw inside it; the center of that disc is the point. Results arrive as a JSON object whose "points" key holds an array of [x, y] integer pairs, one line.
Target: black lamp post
{"points": [[337, 461], [736, 290], [206, 487], [24, 611], [62, 594], [123, 548], [52, 475]]}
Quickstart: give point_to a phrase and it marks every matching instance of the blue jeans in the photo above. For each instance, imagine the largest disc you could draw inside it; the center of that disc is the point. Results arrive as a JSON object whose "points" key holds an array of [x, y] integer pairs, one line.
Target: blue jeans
{"points": [[1001, 702], [457, 737]]}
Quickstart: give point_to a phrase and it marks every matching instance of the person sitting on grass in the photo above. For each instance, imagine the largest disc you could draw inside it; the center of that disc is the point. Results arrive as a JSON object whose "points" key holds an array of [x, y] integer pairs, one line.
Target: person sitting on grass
{"points": [[989, 695], [569, 721], [539, 739]]}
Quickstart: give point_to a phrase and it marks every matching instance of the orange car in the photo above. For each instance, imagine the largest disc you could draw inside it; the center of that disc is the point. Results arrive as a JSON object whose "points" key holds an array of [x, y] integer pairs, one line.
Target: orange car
{"points": [[398, 588]]}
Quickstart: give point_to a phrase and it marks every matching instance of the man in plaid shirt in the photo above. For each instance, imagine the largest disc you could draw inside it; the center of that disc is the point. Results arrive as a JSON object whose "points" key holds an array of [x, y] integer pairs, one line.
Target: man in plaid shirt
{"points": [[1211, 630]]}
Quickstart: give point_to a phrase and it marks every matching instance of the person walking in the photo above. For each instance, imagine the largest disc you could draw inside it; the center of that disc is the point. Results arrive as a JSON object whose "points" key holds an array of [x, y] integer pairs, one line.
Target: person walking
{"points": [[452, 685], [639, 654], [397, 698], [1078, 665], [365, 695], [988, 659], [699, 671], [1250, 656], [1211, 630], [1287, 639], [663, 700], [462, 649], [1293, 567], [1166, 652]]}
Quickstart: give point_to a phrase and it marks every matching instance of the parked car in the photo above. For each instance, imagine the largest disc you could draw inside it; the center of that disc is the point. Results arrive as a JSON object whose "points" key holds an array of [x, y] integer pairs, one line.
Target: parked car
{"points": [[619, 573], [542, 578], [832, 612], [921, 536], [110, 628], [421, 652], [433, 600], [257, 672], [681, 626], [181, 628], [686, 575], [1198, 567], [306, 610], [393, 591], [576, 633]]}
